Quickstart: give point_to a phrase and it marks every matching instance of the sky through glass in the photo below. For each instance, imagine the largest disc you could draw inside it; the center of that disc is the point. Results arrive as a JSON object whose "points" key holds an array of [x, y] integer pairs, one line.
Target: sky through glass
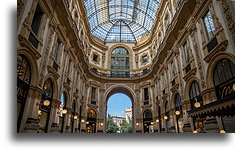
{"points": [[121, 20]]}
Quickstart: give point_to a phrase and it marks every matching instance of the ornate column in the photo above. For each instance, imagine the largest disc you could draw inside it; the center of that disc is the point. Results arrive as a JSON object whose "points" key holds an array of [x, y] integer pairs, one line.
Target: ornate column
{"points": [[137, 116], [101, 117], [67, 121], [32, 106], [172, 120], [55, 118], [187, 120]]}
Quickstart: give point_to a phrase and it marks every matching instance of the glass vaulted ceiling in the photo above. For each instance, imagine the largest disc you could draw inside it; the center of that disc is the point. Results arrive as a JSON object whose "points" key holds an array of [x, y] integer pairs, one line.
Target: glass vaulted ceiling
{"points": [[121, 20]]}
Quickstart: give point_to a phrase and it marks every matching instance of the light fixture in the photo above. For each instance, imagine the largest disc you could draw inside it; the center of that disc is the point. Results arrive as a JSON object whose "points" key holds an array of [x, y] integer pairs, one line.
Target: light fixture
{"points": [[222, 131], [39, 112], [87, 122], [195, 132], [165, 117], [177, 112], [83, 120], [137, 124], [75, 117], [101, 124], [46, 103], [157, 120], [64, 111], [197, 104], [151, 123]]}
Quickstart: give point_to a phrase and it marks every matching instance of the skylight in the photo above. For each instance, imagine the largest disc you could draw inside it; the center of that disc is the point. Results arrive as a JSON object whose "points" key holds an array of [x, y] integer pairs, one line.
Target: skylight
{"points": [[121, 20]]}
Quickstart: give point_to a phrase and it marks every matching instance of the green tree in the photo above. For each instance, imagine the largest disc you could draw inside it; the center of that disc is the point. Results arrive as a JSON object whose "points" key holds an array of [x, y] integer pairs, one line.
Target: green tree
{"points": [[111, 127], [126, 127]]}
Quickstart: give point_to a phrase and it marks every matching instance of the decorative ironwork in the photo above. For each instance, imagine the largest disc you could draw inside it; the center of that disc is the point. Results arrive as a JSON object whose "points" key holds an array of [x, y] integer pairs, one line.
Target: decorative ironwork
{"points": [[213, 43], [126, 75]]}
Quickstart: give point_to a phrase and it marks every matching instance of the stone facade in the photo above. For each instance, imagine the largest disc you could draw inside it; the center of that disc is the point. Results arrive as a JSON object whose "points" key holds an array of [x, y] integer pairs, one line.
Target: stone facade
{"points": [[64, 32]]}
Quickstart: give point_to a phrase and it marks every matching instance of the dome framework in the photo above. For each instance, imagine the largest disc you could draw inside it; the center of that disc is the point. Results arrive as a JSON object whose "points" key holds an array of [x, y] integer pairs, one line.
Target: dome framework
{"points": [[121, 20]]}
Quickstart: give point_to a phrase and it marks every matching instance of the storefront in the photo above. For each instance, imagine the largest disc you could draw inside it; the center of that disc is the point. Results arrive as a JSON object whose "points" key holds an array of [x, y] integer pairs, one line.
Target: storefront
{"points": [[91, 121], [224, 106], [45, 107], [147, 121], [23, 82]]}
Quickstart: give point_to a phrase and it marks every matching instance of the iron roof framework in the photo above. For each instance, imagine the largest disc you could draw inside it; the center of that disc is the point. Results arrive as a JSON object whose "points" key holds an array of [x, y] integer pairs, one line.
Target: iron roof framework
{"points": [[121, 20]]}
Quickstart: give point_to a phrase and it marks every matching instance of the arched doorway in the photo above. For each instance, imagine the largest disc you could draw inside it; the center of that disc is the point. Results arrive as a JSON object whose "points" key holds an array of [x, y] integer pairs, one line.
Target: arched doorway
{"points": [[45, 106], [119, 114], [224, 83], [130, 111], [62, 111], [91, 121], [23, 82], [148, 121], [179, 113]]}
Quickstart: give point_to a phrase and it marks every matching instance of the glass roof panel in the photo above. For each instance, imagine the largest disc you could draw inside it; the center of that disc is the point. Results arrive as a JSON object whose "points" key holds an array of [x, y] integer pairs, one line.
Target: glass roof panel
{"points": [[121, 20]]}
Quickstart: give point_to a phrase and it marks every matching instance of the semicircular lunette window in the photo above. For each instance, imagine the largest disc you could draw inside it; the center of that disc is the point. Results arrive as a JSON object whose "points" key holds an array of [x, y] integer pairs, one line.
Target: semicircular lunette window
{"points": [[120, 63], [121, 20]]}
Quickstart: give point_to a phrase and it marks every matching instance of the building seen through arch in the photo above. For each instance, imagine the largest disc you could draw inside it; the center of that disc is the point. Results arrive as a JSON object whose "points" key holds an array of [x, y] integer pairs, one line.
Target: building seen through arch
{"points": [[174, 59]]}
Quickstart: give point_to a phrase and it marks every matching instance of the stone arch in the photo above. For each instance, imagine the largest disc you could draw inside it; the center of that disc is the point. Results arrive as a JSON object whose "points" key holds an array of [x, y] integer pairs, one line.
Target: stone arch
{"points": [[53, 79], [68, 99], [142, 112], [173, 98], [129, 51], [187, 87], [95, 110], [33, 65], [212, 64], [120, 88]]}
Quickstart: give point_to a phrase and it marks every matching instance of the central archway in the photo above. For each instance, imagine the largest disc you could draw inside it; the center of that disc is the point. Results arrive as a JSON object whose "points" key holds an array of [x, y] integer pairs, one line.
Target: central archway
{"points": [[124, 90]]}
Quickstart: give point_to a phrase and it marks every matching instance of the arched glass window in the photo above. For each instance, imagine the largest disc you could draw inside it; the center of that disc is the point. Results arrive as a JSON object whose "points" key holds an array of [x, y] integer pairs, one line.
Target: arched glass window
{"points": [[178, 103], [224, 78], [45, 106], [179, 113], [62, 111], [167, 114], [194, 95], [72, 117], [147, 121], [91, 121], [120, 62], [23, 81], [147, 114]]}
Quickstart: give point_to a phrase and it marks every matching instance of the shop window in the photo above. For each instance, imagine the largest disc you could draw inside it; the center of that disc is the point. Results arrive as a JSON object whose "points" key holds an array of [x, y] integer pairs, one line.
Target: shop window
{"points": [[196, 100], [224, 78], [167, 116], [91, 121], [73, 117], [179, 113], [45, 106], [62, 111], [23, 82], [147, 121]]}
